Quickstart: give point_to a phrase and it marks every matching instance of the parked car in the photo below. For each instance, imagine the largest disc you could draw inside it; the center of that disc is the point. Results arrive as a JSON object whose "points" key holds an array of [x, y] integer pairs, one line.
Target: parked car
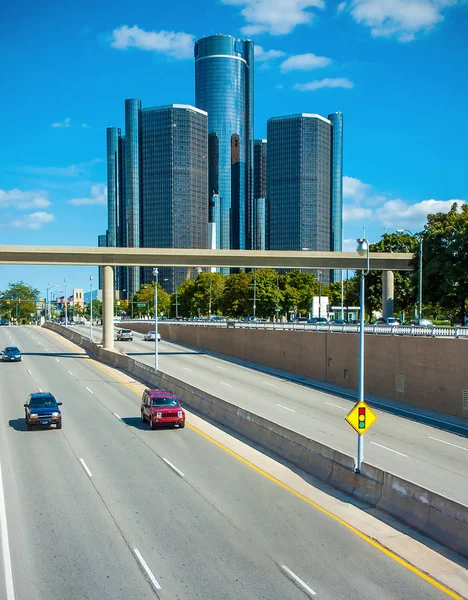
{"points": [[318, 321], [151, 336], [421, 322], [11, 354], [42, 409], [338, 322], [161, 407], [392, 321], [4, 322], [301, 320], [124, 335]]}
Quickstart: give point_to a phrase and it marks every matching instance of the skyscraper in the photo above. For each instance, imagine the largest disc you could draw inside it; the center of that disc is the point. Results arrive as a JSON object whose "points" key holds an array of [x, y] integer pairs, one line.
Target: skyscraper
{"points": [[174, 183], [102, 243], [336, 119], [301, 179], [260, 208], [115, 193], [224, 88]]}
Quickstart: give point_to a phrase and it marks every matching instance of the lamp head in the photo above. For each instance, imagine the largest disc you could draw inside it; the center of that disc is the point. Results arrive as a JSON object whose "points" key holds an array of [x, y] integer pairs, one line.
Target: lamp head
{"points": [[362, 247], [155, 271]]}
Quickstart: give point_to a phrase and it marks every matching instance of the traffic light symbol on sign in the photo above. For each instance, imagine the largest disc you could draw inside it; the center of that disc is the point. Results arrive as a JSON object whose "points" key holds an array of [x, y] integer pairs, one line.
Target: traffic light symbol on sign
{"points": [[362, 417]]}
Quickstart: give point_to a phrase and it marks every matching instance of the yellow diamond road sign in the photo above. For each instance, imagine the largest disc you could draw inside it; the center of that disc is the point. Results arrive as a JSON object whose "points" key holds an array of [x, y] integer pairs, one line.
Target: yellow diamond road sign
{"points": [[361, 418]]}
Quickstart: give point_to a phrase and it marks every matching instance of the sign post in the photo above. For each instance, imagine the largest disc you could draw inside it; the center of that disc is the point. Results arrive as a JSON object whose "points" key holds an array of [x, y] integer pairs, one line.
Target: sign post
{"points": [[361, 418]]}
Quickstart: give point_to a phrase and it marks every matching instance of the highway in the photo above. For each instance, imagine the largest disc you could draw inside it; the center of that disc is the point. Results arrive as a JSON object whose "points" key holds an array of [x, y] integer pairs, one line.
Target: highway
{"points": [[435, 459], [107, 509]]}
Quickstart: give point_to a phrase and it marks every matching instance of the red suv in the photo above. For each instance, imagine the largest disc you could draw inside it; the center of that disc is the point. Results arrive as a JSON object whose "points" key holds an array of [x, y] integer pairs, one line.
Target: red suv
{"points": [[161, 407]]}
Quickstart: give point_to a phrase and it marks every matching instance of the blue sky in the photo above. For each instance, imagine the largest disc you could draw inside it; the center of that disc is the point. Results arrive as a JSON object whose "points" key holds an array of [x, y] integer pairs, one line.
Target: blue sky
{"points": [[395, 68]]}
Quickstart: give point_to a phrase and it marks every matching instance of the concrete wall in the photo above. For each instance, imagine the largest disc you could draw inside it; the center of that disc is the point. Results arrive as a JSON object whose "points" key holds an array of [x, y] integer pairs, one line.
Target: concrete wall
{"points": [[434, 370], [440, 518]]}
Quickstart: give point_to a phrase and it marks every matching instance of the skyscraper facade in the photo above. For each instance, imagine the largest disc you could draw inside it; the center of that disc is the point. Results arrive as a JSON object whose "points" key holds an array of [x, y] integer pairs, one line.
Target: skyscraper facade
{"points": [[260, 208], [336, 120], [174, 183], [300, 183], [102, 243], [224, 88]]}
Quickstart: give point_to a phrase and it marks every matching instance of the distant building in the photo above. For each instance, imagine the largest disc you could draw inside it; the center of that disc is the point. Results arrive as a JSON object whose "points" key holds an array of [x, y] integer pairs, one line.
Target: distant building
{"points": [[260, 207], [102, 243], [174, 184], [336, 119], [224, 77], [304, 195]]}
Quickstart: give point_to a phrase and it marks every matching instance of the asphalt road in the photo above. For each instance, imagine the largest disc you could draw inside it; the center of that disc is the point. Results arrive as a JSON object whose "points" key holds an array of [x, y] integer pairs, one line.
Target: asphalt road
{"points": [[95, 511], [435, 459]]}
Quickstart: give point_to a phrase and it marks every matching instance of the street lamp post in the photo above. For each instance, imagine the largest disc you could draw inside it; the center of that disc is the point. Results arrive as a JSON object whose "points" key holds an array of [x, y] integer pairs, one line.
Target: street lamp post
{"points": [[320, 291], [156, 357], [363, 251], [211, 291], [66, 303], [255, 294], [277, 296], [91, 307], [47, 300], [420, 284]]}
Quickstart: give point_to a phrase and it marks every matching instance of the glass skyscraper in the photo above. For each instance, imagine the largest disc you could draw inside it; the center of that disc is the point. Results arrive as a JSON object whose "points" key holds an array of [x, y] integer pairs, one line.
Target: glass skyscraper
{"points": [[336, 119], [224, 77], [260, 207], [115, 194], [174, 183], [300, 176]]}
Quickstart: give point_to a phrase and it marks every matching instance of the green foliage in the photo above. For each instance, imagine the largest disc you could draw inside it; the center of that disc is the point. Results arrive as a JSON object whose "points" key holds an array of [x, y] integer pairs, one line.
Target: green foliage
{"points": [[236, 299], [19, 299], [146, 295]]}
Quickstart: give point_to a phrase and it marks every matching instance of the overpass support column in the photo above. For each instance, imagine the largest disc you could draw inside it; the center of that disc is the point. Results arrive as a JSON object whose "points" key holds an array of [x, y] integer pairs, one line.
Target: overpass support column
{"points": [[108, 307], [388, 293]]}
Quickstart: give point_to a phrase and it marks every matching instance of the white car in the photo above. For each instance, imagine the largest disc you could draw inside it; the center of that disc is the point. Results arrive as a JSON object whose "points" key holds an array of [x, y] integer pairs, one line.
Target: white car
{"points": [[151, 336]]}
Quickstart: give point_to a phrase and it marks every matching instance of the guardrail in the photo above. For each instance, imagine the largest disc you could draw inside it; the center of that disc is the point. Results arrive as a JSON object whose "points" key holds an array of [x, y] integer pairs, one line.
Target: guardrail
{"points": [[404, 330]]}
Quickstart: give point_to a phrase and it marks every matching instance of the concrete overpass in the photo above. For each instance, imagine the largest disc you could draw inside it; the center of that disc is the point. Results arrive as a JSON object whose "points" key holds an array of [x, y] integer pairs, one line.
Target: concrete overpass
{"points": [[177, 257]]}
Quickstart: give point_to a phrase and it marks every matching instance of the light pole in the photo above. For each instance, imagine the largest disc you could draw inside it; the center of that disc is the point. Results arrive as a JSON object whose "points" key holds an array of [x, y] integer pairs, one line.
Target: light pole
{"points": [[320, 291], [363, 251], [66, 303], [155, 275], [54, 297], [91, 307], [211, 291], [255, 294], [277, 296], [47, 301], [342, 296], [420, 284]]}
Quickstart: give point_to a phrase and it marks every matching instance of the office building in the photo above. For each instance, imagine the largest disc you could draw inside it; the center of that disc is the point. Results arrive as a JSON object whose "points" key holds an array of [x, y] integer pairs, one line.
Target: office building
{"points": [[336, 120], [116, 196], [174, 184], [302, 176], [260, 208], [102, 243], [224, 76]]}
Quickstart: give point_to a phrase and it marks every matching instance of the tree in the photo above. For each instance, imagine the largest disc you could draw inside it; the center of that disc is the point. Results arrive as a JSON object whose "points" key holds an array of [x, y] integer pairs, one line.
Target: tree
{"points": [[185, 293], [207, 285], [236, 299], [299, 290], [445, 260], [146, 295], [19, 300], [265, 292]]}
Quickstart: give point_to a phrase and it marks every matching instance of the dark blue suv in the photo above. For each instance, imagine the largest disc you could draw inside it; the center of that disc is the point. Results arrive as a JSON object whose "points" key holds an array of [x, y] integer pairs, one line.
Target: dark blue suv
{"points": [[11, 354], [42, 409]]}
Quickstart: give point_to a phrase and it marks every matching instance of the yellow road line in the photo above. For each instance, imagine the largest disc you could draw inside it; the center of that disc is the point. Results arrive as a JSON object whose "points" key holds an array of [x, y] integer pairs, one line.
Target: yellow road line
{"points": [[324, 511]]}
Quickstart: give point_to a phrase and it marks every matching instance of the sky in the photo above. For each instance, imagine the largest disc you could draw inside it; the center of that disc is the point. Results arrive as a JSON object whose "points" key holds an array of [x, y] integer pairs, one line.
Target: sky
{"points": [[396, 69]]}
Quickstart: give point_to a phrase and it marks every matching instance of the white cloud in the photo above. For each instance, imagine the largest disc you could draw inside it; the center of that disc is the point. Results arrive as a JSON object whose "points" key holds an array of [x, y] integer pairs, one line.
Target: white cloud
{"points": [[400, 18], [349, 245], [277, 17], [338, 82], [85, 126], [262, 55], [362, 203], [23, 200], [33, 221], [341, 6], [98, 196], [305, 62], [65, 123], [172, 43], [77, 170]]}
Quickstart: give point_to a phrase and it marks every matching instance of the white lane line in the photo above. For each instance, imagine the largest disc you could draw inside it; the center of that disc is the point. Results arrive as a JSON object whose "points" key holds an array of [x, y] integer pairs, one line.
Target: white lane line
{"points": [[10, 589], [389, 449], [70, 373], [222, 368], [224, 383], [169, 464], [57, 360], [90, 391], [266, 383], [85, 467], [147, 570], [40, 390], [286, 408], [185, 369], [120, 418], [449, 443], [308, 590], [336, 405], [29, 372]]}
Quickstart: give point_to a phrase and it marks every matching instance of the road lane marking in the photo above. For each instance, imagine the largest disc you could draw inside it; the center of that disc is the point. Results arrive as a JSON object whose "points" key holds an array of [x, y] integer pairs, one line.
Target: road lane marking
{"points": [[174, 468], [267, 383], [57, 360], [90, 391], [85, 467], [389, 449], [143, 563], [224, 383], [40, 390], [449, 443], [70, 373], [336, 405], [286, 408], [185, 368], [10, 589], [375, 544], [120, 418], [298, 581], [29, 372], [222, 368]]}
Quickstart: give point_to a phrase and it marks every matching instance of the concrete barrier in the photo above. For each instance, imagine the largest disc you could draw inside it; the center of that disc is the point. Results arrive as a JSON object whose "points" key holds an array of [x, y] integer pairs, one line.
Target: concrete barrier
{"points": [[437, 517]]}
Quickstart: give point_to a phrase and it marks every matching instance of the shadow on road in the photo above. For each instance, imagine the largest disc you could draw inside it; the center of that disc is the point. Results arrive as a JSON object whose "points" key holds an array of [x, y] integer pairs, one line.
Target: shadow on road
{"points": [[20, 425], [137, 423]]}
